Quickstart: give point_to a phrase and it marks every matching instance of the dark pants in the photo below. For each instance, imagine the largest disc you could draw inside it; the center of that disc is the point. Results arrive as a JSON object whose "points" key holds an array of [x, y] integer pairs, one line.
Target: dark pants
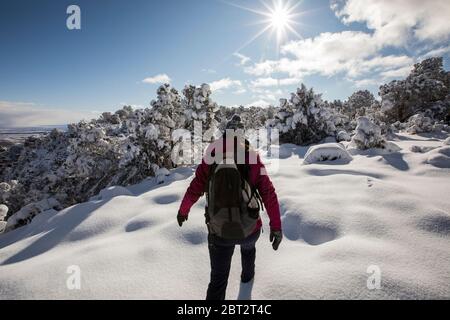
{"points": [[220, 253]]}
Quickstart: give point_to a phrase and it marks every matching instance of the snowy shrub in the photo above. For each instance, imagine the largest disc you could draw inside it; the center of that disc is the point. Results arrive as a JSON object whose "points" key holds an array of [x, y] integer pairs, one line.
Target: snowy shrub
{"points": [[305, 118], [28, 212], [399, 126], [252, 117], [161, 175], [3, 212], [368, 135], [4, 187], [447, 141], [418, 123], [343, 136], [116, 149], [326, 152], [198, 106]]}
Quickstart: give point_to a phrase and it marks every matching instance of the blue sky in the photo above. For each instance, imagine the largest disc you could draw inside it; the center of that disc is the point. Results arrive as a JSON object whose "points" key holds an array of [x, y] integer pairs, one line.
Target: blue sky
{"points": [[52, 75]]}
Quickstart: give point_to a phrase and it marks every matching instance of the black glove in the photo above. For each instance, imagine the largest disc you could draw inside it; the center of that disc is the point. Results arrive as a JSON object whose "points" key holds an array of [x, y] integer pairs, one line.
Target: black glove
{"points": [[181, 219], [275, 238]]}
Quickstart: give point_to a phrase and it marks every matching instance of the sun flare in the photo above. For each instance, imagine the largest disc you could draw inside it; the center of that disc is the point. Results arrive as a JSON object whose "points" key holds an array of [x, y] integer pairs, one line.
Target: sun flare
{"points": [[279, 18]]}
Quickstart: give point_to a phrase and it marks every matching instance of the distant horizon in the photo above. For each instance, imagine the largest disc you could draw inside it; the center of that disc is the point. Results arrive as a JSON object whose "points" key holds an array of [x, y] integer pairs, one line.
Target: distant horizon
{"points": [[37, 127]]}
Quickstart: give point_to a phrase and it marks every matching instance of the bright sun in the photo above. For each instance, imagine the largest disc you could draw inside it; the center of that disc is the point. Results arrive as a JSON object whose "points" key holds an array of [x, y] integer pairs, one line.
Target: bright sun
{"points": [[278, 17]]}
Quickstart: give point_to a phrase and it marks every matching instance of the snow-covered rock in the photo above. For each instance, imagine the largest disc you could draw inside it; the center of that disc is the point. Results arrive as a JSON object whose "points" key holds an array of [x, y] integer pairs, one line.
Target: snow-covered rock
{"points": [[421, 149], [326, 152]]}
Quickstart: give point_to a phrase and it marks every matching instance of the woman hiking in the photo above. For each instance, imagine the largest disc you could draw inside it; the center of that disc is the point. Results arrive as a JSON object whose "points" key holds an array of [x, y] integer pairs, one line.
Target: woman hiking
{"points": [[236, 185]]}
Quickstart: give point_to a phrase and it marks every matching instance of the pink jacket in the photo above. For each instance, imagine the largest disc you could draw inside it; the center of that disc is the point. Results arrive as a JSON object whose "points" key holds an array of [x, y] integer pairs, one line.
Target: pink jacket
{"points": [[257, 177]]}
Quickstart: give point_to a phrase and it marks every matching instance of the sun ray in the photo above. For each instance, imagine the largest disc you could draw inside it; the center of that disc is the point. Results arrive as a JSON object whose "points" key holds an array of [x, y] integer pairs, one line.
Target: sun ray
{"points": [[256, 36], [295, 32], [269, 9], [279, 17], [245, 8]]}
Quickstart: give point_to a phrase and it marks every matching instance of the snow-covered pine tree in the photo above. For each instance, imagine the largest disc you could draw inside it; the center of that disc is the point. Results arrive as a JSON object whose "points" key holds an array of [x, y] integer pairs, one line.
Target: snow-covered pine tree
{"points": [[166, 115], [305, 118], [426, 87], [358, 103], [198, 106]]}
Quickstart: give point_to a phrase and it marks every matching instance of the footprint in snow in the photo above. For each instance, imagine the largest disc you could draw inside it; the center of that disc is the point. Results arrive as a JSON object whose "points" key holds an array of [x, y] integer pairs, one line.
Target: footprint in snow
{"points": [[166, 199], [137, 225], [195, 237], [438, 223], [312, 233]]}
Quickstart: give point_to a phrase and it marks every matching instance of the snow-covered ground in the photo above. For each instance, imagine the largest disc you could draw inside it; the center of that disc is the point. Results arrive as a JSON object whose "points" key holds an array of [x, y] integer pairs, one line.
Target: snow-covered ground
{"points": [[390, 211]]}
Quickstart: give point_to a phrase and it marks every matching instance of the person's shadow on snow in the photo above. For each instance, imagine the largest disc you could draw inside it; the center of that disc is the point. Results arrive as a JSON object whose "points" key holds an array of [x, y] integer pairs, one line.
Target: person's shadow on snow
{"points": [[245, 291]]}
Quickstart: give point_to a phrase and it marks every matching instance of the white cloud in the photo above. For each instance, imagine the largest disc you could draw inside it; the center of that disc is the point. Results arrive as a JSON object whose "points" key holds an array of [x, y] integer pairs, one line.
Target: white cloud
{"points": [[243, 59], [438, 52], [258, 103], [225, 83], [263, 68], [266, 94], [379, 64], [396, 21], [326, 54], [399, 73], [363, 83], [354, 54], [240, 91], [160, 78], [22, 114], [272, 82]]}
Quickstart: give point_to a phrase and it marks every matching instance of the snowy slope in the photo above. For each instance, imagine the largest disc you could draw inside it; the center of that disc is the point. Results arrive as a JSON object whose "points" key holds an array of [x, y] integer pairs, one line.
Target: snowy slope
{"points": [[339, 218]]}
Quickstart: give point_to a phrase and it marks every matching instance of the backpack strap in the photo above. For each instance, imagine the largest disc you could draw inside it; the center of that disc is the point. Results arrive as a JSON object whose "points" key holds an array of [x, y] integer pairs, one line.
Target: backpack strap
{"points": [[258, 198]]}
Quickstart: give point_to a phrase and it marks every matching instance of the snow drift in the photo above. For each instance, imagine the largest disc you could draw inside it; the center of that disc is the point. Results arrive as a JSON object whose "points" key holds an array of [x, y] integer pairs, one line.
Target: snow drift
{"points": [[390, 211]]}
